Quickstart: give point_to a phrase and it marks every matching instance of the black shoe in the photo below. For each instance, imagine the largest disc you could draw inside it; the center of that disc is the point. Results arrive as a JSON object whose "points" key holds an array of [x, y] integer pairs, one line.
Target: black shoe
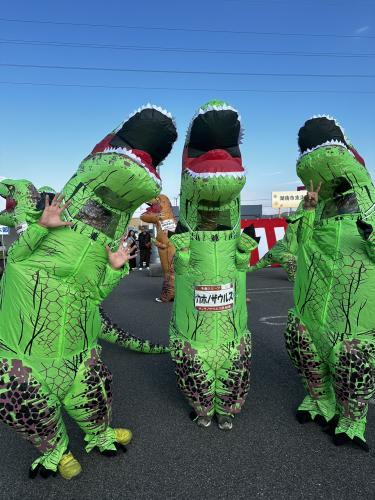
{"points": [[342, 438], [303, 416]]}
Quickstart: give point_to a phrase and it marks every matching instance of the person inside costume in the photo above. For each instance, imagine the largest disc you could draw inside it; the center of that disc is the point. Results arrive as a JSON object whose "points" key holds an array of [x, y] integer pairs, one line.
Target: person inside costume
{"points": [[160, 214], [132, 242], [144, 242], [58, 272], [209, 339], [330, 336]]}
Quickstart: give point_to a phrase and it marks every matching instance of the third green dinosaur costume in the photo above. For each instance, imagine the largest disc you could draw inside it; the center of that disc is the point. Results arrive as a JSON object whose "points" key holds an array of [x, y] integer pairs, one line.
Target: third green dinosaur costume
{"points": [[330, 335], [55, 280], [209, 339]]}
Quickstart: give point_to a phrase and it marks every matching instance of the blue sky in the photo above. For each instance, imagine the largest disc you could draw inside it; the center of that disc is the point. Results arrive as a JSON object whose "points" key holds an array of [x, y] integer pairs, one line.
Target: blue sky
{"points": [[46, 130]]}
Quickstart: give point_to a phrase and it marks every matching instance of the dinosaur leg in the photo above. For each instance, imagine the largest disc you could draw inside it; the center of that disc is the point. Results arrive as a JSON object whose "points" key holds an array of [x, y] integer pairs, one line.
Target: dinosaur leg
{"points": [[354, 384], [89, 403], [167, 291], [195, 378], [31, 410], [233, 382], [319, 404]]}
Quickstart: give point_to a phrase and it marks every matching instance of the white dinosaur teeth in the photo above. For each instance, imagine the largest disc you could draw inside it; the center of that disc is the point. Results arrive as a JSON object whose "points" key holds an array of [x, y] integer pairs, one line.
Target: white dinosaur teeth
{"points": [[133, 156], [222, 107], [207, 175], [329, 117], [147, 106], [332, 142], [127, 152]]}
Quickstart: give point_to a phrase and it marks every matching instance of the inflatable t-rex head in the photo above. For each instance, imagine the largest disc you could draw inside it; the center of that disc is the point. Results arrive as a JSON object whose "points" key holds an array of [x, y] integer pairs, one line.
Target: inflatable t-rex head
{"points": [[121, 171], [159, 210], [21, 199], [212, 171], [327, 156]]}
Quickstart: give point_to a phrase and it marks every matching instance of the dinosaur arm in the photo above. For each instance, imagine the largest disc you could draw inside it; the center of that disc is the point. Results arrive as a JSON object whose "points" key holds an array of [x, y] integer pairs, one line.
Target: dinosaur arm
{"points": [[245, 246], [27, 243], [305, 226], [111, 278], [158, 244], [182, 256]]}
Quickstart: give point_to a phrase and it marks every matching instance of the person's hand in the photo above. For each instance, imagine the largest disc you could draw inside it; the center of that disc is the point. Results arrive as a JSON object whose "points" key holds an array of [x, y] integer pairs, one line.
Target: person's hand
{"points": [[51, 216], [118, 259], [312, 197]]}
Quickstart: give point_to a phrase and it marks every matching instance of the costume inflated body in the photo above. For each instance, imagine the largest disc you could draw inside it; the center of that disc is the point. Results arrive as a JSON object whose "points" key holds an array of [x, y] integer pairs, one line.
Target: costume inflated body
{"points": [[209, 339], [160, 213], [23, 203], [55, 280], [330, 335]]}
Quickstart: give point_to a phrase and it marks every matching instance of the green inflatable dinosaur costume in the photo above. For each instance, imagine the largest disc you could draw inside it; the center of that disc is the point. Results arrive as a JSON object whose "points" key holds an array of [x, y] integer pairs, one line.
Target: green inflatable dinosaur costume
{"points": [[58, 273], [330, 335], [209, 339], [23, 203]]}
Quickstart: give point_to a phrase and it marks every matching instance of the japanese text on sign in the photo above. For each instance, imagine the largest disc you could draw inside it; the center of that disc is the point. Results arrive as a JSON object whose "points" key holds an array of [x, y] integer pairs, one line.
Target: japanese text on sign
{"points": [[214, 297]]}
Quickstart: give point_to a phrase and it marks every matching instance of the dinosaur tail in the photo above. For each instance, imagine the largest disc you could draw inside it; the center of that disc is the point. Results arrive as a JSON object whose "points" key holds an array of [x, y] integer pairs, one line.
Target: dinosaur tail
{"points": [[110, 332]]}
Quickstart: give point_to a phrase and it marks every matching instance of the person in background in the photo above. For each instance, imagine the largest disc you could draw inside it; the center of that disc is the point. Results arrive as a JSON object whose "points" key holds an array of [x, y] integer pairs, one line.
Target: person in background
{"points": [[131, 242], [144, 242]]}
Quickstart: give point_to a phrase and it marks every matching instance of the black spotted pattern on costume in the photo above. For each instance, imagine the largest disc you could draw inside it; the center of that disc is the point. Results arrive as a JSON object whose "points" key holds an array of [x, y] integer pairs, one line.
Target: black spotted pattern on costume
{"points": [[236, 382], [304, 356], [27, 407], [192, 378], [354, 377]]}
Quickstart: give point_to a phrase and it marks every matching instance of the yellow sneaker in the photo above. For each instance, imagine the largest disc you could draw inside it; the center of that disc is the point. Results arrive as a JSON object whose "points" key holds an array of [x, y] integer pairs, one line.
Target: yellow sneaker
{"points": [[69, 467], [123, 436]]}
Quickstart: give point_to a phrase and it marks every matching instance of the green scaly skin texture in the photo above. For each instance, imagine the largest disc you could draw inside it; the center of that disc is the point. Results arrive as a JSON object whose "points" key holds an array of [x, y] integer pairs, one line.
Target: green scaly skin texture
{"points": [[211, 349], [331, 335], [26, 198], [284, 252], [54, 282]]}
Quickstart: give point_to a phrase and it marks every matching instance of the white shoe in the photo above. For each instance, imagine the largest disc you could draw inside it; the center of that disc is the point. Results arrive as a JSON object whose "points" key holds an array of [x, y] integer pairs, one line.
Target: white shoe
{"points": [[158, 300], [141, 268], [148, 268]]}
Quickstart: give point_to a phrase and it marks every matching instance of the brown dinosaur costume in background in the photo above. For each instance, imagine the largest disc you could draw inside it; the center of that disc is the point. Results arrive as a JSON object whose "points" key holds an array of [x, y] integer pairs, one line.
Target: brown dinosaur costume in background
{"points": [[160, 213]]}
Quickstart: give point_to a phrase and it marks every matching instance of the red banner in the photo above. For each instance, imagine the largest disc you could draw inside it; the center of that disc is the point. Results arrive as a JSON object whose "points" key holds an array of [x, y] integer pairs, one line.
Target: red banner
{"points": [[269, 230]]}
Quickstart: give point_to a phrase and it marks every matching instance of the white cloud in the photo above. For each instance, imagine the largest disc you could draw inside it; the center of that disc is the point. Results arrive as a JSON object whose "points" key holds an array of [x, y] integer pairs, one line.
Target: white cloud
{"points": [[362, 29], [278, 172]]}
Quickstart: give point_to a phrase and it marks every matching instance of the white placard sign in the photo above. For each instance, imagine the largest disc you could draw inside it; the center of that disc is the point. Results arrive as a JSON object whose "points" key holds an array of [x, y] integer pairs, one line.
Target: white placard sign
{"points": [[168, 225], [214, 297], [287, 199]]}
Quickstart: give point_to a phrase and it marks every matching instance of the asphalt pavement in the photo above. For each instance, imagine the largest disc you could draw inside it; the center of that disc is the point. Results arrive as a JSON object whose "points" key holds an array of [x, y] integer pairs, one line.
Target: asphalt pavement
{"points": [[267, 454]]}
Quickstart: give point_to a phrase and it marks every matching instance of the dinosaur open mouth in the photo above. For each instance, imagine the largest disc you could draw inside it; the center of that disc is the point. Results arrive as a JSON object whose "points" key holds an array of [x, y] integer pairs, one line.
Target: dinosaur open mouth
{"points": [[146, 136], [212, 143], [214, 163]]}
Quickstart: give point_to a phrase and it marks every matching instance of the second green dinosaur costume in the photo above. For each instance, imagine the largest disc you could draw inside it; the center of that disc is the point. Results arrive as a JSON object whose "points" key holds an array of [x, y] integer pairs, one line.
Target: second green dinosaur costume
{"points": [[330, 335], [209, 339], [55, 280]]}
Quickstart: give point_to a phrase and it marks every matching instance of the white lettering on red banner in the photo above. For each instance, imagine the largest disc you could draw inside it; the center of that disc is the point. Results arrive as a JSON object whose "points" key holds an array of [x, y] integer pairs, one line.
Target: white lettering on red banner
{"points": [[214, 297]]}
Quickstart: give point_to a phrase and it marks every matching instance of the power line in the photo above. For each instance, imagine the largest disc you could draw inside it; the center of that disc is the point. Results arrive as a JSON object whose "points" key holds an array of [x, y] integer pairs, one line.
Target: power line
{"points": [[187, 30], [182, 49], [136, 87], [184, 72]]}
